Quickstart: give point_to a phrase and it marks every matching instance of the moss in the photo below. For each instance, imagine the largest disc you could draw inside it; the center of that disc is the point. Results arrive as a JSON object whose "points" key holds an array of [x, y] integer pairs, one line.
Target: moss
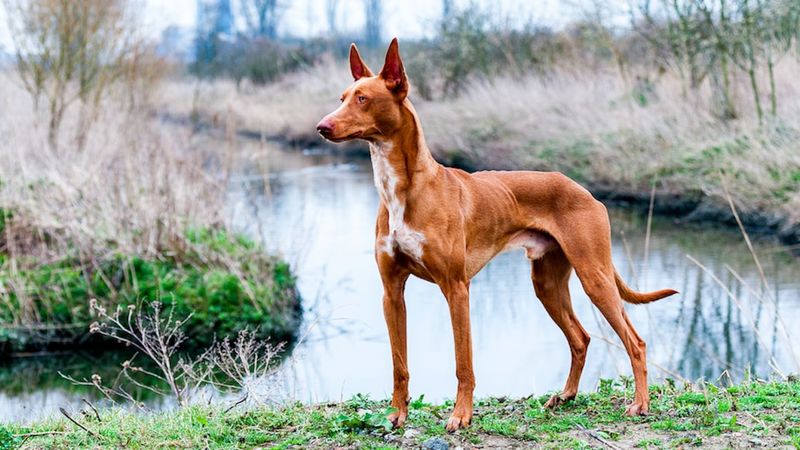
{"points": [[259, 294]]}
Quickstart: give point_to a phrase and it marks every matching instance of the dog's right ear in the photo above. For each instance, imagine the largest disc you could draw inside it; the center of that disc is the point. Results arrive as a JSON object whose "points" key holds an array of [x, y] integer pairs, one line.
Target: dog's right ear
{"points": [[358, 67]]}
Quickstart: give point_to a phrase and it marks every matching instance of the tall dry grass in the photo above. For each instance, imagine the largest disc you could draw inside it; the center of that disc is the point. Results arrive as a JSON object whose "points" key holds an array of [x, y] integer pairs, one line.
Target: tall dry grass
{"points": [[133, 214], [616, 133], [134, 189], [131, 190]]}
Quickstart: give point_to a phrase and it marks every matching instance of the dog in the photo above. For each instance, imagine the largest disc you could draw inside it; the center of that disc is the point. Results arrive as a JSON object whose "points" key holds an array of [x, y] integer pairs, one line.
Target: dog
{"points": [[443, 225]]}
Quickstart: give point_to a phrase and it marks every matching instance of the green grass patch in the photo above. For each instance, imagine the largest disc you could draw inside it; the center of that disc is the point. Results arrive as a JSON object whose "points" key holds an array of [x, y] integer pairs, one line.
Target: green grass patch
{"points": [[225, 282], [681, 416]]}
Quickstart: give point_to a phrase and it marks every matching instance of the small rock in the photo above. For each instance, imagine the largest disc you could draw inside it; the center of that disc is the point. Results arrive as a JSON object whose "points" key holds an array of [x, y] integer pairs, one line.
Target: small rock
{"points": [[410, 433], [390, 438], [435, 443]]}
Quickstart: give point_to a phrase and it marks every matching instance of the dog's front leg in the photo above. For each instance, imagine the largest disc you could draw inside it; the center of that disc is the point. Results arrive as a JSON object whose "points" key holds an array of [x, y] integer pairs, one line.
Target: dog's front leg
{"points": [[457, 294], [394, 311]]}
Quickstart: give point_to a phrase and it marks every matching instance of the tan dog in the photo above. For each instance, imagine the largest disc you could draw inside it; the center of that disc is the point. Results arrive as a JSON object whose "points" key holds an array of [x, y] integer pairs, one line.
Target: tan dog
{"points": [[443, 225]]}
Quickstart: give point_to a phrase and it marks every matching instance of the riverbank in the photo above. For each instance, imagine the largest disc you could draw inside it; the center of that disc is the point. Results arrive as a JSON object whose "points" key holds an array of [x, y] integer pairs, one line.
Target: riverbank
{"points": [[624, 141], [219, 285], [753, 414], [131, 215]]}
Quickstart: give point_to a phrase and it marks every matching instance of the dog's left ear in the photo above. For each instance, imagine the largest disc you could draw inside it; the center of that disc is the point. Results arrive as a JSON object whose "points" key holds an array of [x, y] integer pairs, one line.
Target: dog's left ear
{"points": [[393, 73]]}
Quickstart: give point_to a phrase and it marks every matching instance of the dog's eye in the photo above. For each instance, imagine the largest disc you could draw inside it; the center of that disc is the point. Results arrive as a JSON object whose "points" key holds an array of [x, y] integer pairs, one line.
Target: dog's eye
{"points": [[361, 99]]}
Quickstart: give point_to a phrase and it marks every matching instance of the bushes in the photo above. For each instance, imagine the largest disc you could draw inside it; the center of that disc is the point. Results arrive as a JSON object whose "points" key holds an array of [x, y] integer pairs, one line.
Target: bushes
{"points": [[258, 60], [262, 61], [225, 282], [473, 45]]}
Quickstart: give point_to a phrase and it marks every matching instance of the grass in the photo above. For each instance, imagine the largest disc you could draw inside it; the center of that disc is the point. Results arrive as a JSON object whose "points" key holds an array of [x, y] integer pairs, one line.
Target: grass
{"points": [[752, 413], [219, 298]]}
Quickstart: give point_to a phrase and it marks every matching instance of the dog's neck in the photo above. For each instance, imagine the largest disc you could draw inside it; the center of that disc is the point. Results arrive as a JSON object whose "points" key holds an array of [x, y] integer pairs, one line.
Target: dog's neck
{"points": [[401, 159]]}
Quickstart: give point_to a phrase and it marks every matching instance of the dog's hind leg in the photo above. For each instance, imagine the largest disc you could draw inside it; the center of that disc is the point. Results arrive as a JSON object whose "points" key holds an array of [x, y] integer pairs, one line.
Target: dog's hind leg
{"points": [[588, 248], [551, 281], [605, 296]]}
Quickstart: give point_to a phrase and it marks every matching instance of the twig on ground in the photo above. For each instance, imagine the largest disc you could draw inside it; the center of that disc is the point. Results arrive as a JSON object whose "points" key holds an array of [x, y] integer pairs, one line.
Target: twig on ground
{"points": [[238, 402], [597, 437], [90, 405], [66, 414], [38, 433]]}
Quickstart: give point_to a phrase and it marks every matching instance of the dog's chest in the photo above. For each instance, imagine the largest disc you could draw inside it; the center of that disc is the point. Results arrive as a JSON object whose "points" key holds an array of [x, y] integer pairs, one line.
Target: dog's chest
{"points": [[401, 235]]}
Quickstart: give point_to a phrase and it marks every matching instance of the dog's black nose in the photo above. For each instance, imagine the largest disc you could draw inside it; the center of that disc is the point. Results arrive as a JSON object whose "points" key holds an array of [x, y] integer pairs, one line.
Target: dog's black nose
{"points": [[325, 127]]}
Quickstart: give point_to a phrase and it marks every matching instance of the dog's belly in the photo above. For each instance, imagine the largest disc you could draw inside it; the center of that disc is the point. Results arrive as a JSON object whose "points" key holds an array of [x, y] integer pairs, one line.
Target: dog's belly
{"points": [[535, 243]]}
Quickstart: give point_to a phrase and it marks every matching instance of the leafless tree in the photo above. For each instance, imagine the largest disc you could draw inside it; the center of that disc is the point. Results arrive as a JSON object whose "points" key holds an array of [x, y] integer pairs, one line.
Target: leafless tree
{"points": [[261, 17], [69, 51], [373, 11], [719, 38], [331, 13], [447, 9]]}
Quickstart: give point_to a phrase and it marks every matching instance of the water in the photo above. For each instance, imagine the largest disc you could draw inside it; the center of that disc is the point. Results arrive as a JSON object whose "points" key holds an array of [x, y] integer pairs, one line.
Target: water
{"points": [[318, 210]]}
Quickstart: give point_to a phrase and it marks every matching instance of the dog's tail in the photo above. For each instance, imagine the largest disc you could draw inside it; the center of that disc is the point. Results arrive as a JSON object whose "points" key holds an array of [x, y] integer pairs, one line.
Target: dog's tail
{"points": [[631, 296]]}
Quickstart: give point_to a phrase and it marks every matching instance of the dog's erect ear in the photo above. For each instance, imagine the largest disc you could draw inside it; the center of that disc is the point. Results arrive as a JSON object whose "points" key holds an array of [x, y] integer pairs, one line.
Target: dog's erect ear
{"points": [[393, 72], [358, 68]]}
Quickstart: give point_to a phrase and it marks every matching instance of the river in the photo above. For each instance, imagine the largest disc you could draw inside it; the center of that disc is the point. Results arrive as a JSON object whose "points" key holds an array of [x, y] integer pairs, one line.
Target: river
{"points": [[317, 208]]}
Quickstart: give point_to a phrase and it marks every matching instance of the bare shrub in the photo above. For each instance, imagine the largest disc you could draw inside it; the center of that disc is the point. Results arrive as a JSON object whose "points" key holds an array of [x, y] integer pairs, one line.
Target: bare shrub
{"points": [[242, 365], [245, 364]]}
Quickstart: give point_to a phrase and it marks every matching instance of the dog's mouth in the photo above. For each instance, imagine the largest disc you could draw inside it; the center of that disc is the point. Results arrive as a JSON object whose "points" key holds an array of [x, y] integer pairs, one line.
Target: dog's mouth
{"points": [[342, 138]]}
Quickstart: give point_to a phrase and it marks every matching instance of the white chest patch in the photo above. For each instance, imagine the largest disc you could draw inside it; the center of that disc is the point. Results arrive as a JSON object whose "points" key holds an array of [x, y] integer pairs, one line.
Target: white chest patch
{"points": [[401, 235]]}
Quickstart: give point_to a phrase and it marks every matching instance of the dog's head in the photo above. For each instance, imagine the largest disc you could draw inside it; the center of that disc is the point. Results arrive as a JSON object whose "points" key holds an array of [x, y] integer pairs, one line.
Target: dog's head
{"points": [[372, 106]]}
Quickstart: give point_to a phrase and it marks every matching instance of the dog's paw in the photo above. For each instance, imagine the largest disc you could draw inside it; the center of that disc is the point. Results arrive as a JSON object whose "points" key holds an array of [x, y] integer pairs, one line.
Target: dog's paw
{"points": [[558, 400], [398, 418], [459, 419], [636, 409]]}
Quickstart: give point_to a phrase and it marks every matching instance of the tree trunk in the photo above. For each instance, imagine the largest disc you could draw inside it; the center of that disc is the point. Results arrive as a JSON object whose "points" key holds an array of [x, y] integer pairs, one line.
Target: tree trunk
{"points": [[773, 97], [754, 85], [729, 109]]}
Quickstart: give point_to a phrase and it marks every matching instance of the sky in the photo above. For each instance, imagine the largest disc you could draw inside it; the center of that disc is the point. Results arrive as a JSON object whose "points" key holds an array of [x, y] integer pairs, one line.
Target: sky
{"points": [[304, 18]]}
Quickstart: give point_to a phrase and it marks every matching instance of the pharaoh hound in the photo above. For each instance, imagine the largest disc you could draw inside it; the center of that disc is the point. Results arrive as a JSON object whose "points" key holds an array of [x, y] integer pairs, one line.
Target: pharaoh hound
{"points": [[443, 225]]}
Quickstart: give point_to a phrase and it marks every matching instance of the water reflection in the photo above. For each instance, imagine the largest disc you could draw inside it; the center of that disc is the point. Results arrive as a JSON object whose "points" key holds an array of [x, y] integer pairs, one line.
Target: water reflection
{"points": [[32, 387], [320, 211]]}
